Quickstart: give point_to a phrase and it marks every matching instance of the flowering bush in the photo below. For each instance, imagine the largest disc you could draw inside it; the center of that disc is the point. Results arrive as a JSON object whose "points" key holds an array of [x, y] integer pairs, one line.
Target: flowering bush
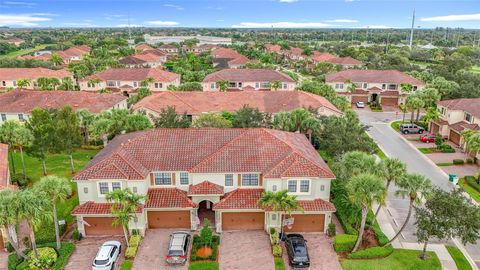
{"points": [[47, 256]]}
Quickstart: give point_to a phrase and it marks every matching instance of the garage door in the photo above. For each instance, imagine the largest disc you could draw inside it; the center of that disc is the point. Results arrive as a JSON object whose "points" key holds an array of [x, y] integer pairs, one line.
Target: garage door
{"points": [[434, 128], [307, 223], [168, 219], [454, 137], [101, 226], [389, 101], [356, 99], [1, 242], [243, 221]]}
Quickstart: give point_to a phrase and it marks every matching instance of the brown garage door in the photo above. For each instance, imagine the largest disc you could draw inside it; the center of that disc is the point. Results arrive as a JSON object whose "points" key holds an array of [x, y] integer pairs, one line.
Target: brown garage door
{"points": [[356, 99], [243, 221], [389, 101], [434, 128], [454, 137], [1, 242], [307, 223], [101, 226], [168, 219]]}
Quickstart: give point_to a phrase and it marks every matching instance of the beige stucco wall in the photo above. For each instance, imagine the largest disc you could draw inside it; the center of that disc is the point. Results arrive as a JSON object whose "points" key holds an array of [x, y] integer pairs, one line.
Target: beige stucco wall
{"points": [[207, 86], [135, 84]]}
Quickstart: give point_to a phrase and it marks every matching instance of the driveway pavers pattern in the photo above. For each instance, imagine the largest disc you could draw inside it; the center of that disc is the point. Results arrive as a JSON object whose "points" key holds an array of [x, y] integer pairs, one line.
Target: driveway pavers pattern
{"points": [[86, 250]]}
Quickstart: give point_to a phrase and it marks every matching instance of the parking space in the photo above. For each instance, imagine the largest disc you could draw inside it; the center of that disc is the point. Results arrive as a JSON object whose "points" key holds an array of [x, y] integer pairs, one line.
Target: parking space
{"points": [[245, 250], [153, 249], [320, 250], [86, 250]]}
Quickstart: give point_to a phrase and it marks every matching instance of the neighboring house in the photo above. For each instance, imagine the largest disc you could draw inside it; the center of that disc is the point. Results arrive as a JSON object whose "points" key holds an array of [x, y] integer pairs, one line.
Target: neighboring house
{"points": [[195, 104], [128, 80], [18, 104], [177, 39], [228, 58], [143, 47], [273, 48], [72, 54], [192, 174], [248, 79], [456, 115], [15, 41], [169, 49], [371, 85], [10, 76], [346, 62], [199, 49], [4, 183], [149, 58]]}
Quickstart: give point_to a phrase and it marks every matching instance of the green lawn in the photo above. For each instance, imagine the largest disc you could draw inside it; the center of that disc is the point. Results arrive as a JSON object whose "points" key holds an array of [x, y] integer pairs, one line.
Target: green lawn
{"points": [[476, 69], [400, 259], [279, 264], [444, 164], [126, 265], [459, 258], [27, 51], [426, 150], [470, 190], [203, 266], [396, 125]]}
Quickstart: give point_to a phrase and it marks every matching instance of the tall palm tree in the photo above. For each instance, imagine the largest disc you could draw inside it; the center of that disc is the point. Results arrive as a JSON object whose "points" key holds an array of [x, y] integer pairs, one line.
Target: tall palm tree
{"points": [[280, 201], [432, 114], [100, 129], [7, 135], [414, 186], [56, 59], [67, 84], [23, 138], [10, 217], [223, 85], [414, 104], [33, 207], [364, 190], [392, 170], [43, 83], [22, 83], [85, 119], [147, 82], [57, 190], [356, 162], [54, 82], [473, 143]]}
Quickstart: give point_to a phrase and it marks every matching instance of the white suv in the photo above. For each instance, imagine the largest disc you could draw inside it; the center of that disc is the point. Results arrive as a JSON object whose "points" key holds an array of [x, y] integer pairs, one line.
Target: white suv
{"points": [[107, 255], [178, 248]]}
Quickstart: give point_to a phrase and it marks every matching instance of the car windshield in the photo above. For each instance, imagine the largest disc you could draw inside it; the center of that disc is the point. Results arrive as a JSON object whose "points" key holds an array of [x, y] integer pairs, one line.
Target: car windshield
{"points": [[100, 262], [175, 253], [299, 248]]}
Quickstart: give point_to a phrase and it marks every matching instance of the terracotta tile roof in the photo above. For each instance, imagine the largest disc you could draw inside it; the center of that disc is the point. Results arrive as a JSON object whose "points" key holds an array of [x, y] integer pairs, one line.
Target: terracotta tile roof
{"points": [[273, 48], [295, 51], [141, 58], [4, 174], [344, 61], [322, 57], [93, 208], [43, 56], [372, 76], [205, 188], [470, 105], [134, 74], [240, 198], [24, 101], [248, 75], [226, 53], [316, 205], [196, 103], [32, 73], [460, 126], [143, 47], [76, 51], [168, 198], [273, 153], [241, 60]]}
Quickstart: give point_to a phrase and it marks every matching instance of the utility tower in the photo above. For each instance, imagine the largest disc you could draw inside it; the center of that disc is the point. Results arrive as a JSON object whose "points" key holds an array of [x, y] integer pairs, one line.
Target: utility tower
{"points": [[411, 30]]}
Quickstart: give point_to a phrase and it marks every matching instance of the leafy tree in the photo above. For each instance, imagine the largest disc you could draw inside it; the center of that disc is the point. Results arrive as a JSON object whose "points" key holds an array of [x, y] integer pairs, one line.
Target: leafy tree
{"points": [[42, 126], [85, 119], [145, 83], [432, 114], [364, 190], [23, 83], [136, 122], [280, 201], [141, 93], [248, 117], [67, 84], [168, 118], [429, 96], [406, 87], [275, 85], [223, 85], [186, 86], [472, 141], [392, 170], [298, 120], [354, 163], [100, 128], [326, 91], [8, 132], [57, 190], [213, 120], [67, 132], [56, 59], [444, 87], [10, 217]]}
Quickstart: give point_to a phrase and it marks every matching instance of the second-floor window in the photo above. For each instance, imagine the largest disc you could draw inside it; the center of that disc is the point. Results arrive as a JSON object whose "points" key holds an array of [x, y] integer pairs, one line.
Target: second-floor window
{"points": [[265, 85], [158, 85], [213, 85], [339, 86], [250, 179], [4, 117], [106, 187], [299, 186], [392, 87], [163, 178], [20, 117], [135, 84], [183, 178], [228, 180], [111, 83], [284, 85], [468, 117]]}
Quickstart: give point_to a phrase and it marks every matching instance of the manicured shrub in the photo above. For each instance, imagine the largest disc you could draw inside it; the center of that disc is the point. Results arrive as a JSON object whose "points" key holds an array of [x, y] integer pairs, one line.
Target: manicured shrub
{"points": [[76, 235], [135, 240], [13, 261], [344, 242], [275, 237], [197, 244], [131, 252], [458, 161], [20, 180], [332, 229], [469, 161], [279, 264], [64, 254], [438, 141], [277, 251], [47, 256], [446, 148], [471, 181], [126, 265], [372, 253]]}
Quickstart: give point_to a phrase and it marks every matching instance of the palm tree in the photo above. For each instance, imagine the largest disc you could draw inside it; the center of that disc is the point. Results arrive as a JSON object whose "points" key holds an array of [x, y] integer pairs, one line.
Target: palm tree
{"points": [[67, 84], [363, 191], [22, 83], [351, 86], [414, 104], [57, 190], [223, 85], [9, 218], [147, 82], [56, 59], [54, 82], [406, 87], [432, 114], [23, 138], [356, 162], [414, 186], [7, 135], [33, 208], [280, 201], [94, 81], [393, 170], [100, 128], [473, 143], [85, 119], [43, 83], [404, 109], [275, 85]]}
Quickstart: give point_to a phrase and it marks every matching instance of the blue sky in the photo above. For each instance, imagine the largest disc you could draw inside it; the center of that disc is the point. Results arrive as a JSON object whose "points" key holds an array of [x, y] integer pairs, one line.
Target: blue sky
{"points": [[240, 13]]}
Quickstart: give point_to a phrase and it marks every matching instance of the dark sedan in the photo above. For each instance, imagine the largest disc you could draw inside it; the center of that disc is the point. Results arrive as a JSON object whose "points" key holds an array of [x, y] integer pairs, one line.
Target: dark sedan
{"points": [[297, 251]]}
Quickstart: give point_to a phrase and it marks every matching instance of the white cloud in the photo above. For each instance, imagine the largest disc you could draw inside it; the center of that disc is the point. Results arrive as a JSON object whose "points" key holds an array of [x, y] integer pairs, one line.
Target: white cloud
{"points": [[21, 19], [281, 25], [177, 7], [453, 18], [287, 1], [162, 23], [341, 21], [123, 25], [19, 3]]}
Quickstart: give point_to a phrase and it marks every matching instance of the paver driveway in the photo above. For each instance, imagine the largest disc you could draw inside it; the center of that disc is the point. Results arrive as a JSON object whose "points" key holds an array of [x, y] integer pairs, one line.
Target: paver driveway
{"points": [[152, 251], [3, 260], [320, 250], [245, 250], [86, 250]]}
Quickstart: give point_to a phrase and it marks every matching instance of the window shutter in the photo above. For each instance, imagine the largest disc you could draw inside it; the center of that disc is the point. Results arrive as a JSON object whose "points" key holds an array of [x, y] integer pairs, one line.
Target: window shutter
{"points": [[260, 180], [152, 182], [239, 180], [173, 178]]}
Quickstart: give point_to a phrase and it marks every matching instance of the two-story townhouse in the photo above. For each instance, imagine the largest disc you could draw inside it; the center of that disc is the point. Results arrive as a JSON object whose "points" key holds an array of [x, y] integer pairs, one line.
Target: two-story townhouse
{"points": [[9, 77], [149, 58], [169, 49], [248, 79], [346, 62], [73, 54], [194, 104], [128, 80], [272, 48], [192, 174], [18, 104], [295, 53], [372, 85], [4, 183], [456, 115], [228, 58]]}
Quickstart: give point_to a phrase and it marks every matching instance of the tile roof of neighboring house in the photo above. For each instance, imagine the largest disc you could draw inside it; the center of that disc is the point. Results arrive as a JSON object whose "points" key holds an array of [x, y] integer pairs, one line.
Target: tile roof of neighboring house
{"points": [[141, 58], [295, 51], [32, 73], [461, 126], [43, 56], [316, 205], [167, 46], [240, 60], [240, 198], [322, 57], [94, 208], [273, 153], [134, 74], [76, 51], [273, 48], [344, 61], [168, 198], [470, 105], [205, 188], [372, 76], [24, 101], [4, 177], [143, 47], [225, 53], [195, 103], [248, 75]]}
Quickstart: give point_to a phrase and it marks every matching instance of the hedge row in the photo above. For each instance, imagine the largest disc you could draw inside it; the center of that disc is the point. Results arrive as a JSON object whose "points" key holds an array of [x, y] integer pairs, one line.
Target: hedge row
{"points": [[64, 254], [372, 253], [344, 242], [471, 181]]}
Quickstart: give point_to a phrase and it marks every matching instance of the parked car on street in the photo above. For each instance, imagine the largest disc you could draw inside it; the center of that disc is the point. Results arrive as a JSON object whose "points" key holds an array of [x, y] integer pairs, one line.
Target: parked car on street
{"points": [[411, 129], [297, 251], [178, 248], [107, 255], [360, 104], [428, 138]]}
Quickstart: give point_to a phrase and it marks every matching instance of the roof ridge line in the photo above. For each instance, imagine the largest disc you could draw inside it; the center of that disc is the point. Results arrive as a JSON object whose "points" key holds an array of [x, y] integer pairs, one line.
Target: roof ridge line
{"points": [[184, 102]]}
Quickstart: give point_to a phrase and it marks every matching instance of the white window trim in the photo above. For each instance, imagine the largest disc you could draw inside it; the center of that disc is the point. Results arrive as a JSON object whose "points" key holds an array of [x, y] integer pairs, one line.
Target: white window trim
{"points": [[171, 179], [225, 180], [241, 180], [298, 192], [110, 186], [180, 179]]}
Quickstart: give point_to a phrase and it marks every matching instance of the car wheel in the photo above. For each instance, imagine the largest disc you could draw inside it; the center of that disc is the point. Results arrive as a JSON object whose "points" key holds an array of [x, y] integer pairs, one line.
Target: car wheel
{"points": [[405, 132], [113, 266], [420, 131]]}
